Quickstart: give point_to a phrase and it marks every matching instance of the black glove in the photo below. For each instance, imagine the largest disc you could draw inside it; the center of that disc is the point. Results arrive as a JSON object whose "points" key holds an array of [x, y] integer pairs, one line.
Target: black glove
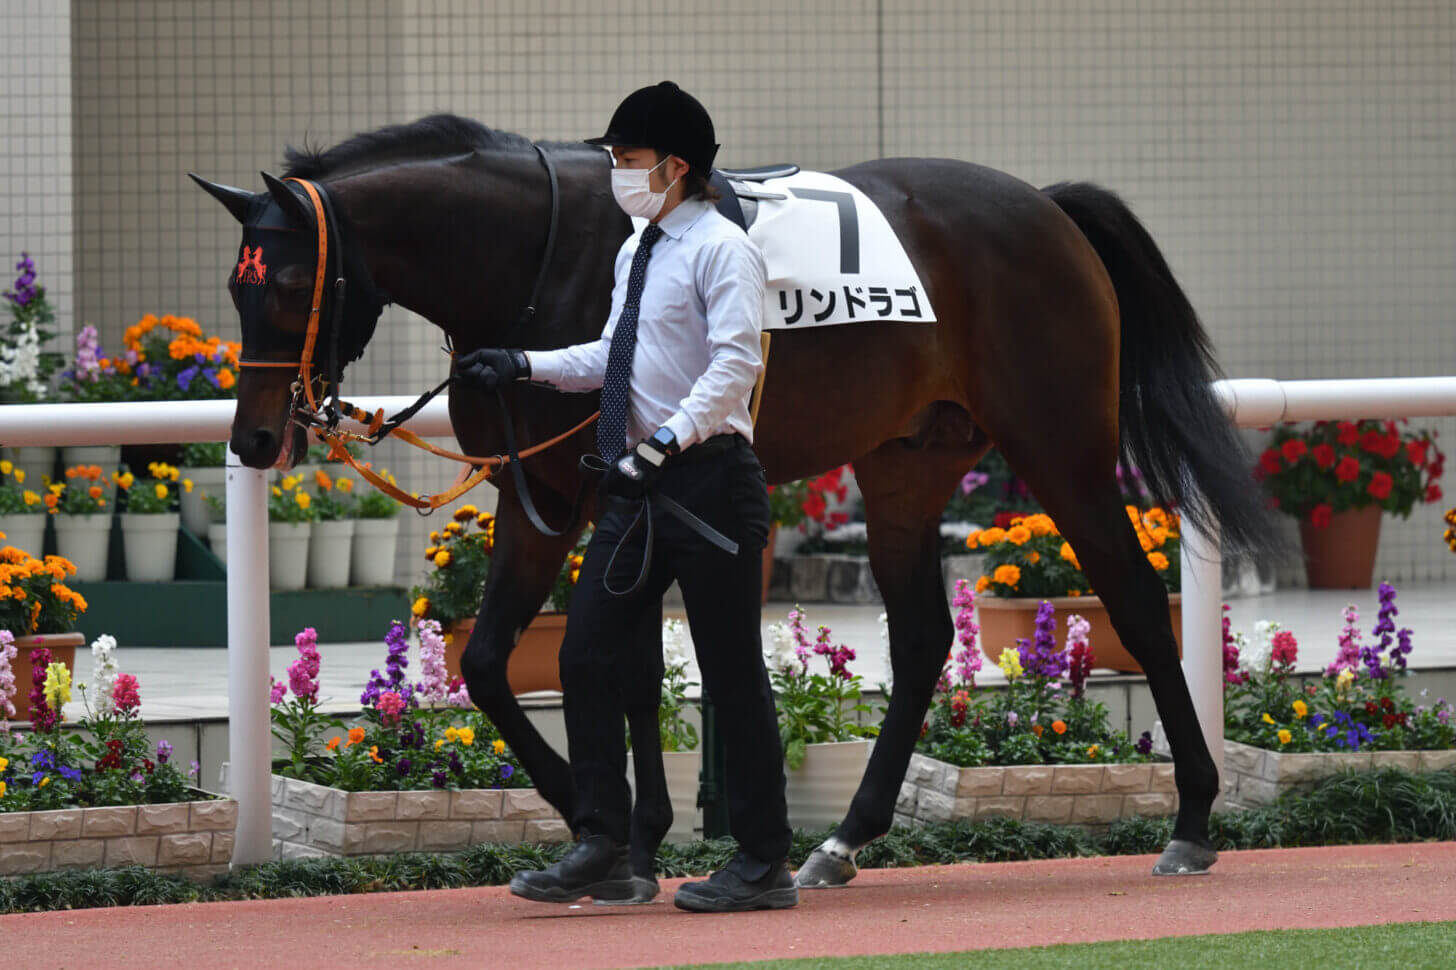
{"points": [[634, 473], [490, 368]]}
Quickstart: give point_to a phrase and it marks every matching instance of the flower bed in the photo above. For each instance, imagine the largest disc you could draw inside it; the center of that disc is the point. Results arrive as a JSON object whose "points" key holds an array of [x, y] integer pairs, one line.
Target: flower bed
{"points": [[1285, 734], [192, 838], [1094, 795], [421, 771]]}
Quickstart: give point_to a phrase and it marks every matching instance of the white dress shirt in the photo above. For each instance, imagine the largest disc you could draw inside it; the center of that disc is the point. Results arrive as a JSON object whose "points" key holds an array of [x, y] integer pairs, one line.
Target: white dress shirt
{"points": [[697, 355]]}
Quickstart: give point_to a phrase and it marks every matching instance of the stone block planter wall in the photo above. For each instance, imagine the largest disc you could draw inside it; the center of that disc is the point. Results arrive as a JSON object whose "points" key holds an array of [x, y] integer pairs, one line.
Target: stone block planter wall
{"points": [[1253, 777], [1091, 795], [194, 839], [312, 820]]}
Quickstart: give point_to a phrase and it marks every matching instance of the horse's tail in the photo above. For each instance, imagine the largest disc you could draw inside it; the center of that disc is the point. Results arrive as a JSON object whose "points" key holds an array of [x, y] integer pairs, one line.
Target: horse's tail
{"points": [[1173, 429]]}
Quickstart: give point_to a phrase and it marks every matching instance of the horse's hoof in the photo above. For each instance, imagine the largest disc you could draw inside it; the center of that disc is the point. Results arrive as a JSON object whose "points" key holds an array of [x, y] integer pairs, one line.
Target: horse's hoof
{"points": [[1184, 858], [823, 870]]}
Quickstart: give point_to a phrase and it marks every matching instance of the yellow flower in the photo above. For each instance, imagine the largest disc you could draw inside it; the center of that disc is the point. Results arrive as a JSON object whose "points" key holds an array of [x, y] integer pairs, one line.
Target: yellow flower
{"points": [[277, 491], [344, 485], [44, 781], [430, 551], [374, 754], [484, 520], [1007, 574], [467, 736], [7, 466], [1266, 718], [4, 763], [1069, 555], [1010, 663], [1284, 736], [57, 686], [20, 476], [452, 734], [466, 512], [161, 490], [56, 488], [1344, 680], [303, 499], [442, 558], [187, 485], [453, 528], [498, 746], [1300, 709], [2, 789], [435, 537], [439, 743], [1093, 751], [1159, 561], [291, 482], [28, 496], [421, 606], [1019, 534]]}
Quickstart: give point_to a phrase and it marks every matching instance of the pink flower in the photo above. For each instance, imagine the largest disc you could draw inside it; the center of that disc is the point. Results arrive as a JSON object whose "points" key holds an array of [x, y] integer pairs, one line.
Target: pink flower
{"points": [[1285, 648], [433, 687], [1079, 653], [276, 690], [124, 694], [7, 677], [390, 705], [303, 672], [968, 658]]}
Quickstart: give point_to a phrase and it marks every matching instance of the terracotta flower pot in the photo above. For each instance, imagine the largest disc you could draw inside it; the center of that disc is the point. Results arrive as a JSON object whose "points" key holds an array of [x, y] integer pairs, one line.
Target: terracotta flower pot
{"points": [[63, 650], [1342, 554], [1004, 621], [534, 664]]}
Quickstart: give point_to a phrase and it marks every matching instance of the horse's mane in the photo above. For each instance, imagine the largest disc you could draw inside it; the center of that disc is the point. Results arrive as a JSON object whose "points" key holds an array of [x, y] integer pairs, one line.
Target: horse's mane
{"points": [[436, 136]]}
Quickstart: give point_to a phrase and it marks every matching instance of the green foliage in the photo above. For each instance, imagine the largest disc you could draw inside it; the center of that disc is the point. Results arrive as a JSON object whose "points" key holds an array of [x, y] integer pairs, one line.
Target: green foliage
{"points": [[204, 454], [813, 708], [18, 496]]}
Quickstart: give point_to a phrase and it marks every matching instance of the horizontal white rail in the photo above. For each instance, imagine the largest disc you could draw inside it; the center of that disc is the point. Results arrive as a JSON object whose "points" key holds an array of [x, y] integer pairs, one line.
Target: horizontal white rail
{"points": [[1251, 403]]}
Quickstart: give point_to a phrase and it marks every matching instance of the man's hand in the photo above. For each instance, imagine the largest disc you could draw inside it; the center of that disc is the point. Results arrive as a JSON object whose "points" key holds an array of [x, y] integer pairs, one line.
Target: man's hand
{"points": [[490, 368], [633, 474]]}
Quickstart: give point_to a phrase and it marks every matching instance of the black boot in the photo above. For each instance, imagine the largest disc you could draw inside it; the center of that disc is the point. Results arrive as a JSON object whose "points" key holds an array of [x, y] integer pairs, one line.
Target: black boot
{"points": [[596, 867], [744, 884]]}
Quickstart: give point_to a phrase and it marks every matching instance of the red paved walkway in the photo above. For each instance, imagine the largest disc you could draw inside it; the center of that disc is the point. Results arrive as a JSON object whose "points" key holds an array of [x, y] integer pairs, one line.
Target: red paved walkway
{"points": [[943, 908]]}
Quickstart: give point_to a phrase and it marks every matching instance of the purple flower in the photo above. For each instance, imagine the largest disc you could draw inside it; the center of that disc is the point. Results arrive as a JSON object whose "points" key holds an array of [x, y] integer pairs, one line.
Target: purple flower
{"points": [[973, 480], [164, 751], [403, 767], [211, 375], [397, 640], [1042, 658], [1371, 655], [439, 779], [70, 774], [1144, 743], [194, 769], [506, 771], [185, 376], [1011, 718]]}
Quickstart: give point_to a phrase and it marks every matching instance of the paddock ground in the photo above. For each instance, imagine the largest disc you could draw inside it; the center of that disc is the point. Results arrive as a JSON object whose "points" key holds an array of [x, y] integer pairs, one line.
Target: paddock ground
{"points": [[938, 909]]}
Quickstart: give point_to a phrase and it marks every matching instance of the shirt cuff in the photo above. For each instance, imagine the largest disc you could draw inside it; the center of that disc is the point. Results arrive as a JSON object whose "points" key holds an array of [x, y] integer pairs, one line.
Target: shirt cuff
{"points": [[682, 429], [545, 366]]}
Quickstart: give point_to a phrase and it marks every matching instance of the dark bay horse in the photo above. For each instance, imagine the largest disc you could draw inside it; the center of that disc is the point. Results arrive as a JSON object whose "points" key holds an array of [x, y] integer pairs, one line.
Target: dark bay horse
{"points": [[1063, 340]]}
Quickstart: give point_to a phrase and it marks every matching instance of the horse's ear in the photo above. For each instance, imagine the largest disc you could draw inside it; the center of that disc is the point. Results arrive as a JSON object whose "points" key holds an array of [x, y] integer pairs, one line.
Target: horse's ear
{"points": [[287, 199], [236, 200]]}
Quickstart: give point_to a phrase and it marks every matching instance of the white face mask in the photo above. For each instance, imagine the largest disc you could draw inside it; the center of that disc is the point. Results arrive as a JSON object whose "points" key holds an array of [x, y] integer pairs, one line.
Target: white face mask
{"points": [[632, 189]]}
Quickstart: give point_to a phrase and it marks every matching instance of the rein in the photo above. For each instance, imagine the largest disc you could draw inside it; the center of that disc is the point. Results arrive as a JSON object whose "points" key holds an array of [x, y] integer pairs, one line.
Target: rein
{"points": [[305, 410]]}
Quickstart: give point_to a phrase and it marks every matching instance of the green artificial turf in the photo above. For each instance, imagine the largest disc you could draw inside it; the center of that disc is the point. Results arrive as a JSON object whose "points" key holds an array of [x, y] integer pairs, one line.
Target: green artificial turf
{"points": [[1396, 946]]}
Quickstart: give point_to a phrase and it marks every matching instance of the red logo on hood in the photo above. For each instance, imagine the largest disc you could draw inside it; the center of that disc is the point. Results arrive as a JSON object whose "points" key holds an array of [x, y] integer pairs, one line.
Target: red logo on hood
{"points": [[251, 268]]}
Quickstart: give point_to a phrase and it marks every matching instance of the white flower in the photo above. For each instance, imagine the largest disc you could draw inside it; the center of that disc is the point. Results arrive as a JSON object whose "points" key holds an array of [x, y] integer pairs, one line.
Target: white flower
{"points": [[779, 652], [887, 669], [674, 652], [1255, 655], [103, 673], [20, 362]]}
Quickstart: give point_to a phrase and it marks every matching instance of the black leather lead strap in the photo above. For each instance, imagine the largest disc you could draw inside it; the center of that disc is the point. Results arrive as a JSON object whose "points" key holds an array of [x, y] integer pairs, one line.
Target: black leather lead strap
{"points": [[518, 475]]}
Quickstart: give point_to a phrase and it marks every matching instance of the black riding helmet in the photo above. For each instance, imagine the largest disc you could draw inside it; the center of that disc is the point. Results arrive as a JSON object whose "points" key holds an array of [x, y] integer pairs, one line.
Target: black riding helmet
{"points": [[667, 118]]}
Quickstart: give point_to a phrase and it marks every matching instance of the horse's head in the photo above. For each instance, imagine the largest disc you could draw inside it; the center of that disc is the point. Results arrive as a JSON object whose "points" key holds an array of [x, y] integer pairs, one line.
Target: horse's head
{"points": [[273, 286]]}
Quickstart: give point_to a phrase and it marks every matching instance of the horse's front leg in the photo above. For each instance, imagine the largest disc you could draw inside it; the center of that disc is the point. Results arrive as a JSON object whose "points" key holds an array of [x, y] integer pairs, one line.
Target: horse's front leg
{"points": [[524, 564]]}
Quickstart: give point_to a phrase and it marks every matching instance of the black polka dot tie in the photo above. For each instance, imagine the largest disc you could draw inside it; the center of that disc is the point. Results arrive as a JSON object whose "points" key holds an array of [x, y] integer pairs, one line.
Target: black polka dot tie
{"points": [[612, 426]]}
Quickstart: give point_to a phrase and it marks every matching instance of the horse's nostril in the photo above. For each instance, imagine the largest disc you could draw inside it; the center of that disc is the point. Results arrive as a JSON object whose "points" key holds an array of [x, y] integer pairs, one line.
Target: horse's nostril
{"points": [[263, 441]]}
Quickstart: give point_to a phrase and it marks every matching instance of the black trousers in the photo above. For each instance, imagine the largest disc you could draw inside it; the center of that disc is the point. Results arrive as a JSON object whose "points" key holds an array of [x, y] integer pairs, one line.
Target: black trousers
{"points": [[614, 641]]}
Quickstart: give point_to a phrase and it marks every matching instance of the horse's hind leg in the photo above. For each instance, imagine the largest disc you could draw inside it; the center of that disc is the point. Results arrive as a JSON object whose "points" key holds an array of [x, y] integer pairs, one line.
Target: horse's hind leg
{"points": [[1071, 470], [905, 488]]}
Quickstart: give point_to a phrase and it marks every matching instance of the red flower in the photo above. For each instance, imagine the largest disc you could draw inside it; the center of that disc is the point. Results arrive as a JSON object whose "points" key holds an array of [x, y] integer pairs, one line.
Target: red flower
{"points": [[1387, 704], [1002, 520], [1392, 446], [1371, 707], [1347, 432], [1324, 455], [1433, 492], [1373, 442], [1293, 450], [1269, 462], [1388, 720], [1380, 485], [1319, 516], [1348, 469], [1416, 452]]}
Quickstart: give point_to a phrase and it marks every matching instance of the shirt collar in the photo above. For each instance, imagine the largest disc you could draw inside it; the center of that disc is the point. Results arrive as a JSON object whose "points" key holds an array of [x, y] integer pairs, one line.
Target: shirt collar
{"points": [[681, 219]]}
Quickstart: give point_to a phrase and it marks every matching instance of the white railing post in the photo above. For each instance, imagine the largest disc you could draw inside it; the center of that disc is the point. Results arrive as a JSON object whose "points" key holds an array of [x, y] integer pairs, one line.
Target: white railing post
{"points": [[1202, 570], [250, 740]]}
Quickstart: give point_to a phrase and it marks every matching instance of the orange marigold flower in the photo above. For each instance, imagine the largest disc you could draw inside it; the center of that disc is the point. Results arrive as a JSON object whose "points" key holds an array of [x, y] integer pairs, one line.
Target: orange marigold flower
{"points": [[1019, 534], [1059, 726], [1159, 561], [356, 734], [225, 379], [1007, 575], [333, 742]]}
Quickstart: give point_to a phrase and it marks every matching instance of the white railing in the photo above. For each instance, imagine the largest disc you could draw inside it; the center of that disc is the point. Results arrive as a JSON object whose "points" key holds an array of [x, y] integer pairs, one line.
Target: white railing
{"points": [[1252, 403]]}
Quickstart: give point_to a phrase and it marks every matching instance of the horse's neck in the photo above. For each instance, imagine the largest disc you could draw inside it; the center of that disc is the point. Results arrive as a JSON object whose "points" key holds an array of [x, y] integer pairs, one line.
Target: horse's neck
{"points": [[461, 244]]}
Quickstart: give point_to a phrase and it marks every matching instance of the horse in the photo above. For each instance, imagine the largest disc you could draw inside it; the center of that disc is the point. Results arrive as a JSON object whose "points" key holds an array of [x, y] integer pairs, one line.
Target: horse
{"points": [[1063, 340]]}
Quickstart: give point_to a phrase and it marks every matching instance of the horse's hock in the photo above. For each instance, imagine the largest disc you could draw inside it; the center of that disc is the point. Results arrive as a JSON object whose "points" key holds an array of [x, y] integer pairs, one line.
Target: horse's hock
{"points": [[1088, 795]]}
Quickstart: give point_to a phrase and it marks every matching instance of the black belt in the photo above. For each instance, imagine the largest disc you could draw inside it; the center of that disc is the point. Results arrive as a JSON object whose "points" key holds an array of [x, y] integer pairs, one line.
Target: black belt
{"points": [[708, 448]]}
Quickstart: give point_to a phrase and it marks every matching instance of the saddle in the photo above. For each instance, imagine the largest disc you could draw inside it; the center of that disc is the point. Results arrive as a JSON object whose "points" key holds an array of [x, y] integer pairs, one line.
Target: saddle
{"points": [[739, 190]]}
